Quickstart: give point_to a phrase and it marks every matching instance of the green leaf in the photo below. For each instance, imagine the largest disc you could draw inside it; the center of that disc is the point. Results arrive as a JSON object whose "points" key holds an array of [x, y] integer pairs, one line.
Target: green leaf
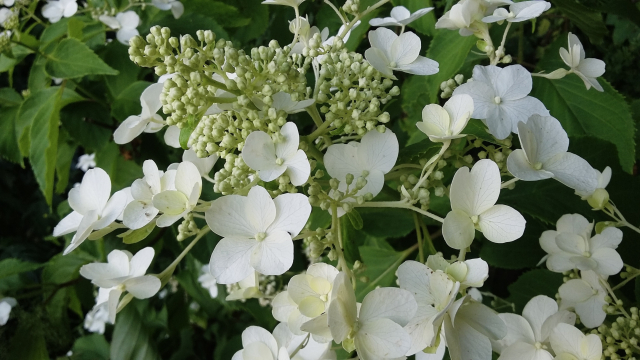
{"points": [[259, 15], [226, 15], [351, 240], [38, 78], [121, 171], [38, 118], [89, 123], [534, 283], [28, 342], [479, 130], [54, 32], [9, 149], [450, 50], [116, 55], [355, 219], [637, 283], [387, 223], [66, 150], [127, 102], [425, 24], [423, 149], [64, 268], [139, 234], [131, 339], [520, 254], [9, 97], [11, 266], [185, 133], [71, 59], [605, 115], [380, 268], [92, 347], [74, 28], [589, 21]]}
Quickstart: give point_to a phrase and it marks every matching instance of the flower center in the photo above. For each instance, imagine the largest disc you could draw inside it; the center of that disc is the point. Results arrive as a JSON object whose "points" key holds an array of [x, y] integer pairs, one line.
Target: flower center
{"points": [[279, 161], [393, 64], [324, 297], [474, 218], [511, 15], [537, 166], [586, 254], [497, 100], [539, 346], [365, 173], [261, 236]]}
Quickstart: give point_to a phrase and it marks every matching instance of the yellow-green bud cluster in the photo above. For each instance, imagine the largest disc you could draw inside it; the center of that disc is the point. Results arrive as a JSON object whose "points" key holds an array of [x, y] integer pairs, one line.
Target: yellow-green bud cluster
{"points": [[352, 92], [448, 86], [187, 228], [620, 339], [235, 175], [351, 7]]}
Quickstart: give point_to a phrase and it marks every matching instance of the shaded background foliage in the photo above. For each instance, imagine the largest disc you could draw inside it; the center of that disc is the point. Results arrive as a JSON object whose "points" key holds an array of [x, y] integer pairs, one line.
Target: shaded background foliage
{"points": [[187, 323]]}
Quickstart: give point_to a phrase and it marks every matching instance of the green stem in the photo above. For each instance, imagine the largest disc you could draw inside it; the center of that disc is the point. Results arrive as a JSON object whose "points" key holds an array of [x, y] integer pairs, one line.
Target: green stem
{"points": [[321, 130], [337, 243], [431, 164], [360, 16], [315, 115], [400, 205], [507, 183], [626, 281], [416, 221], [166, 274]]}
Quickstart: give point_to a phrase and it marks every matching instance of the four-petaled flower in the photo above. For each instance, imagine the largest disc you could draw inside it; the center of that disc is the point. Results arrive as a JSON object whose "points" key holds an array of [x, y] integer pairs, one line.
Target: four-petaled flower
{"points": [[272, 159], [257, 233], [123, 272], [391, 52], [175, 203], [147, 121], [544, 155], [521, 11], [141, 211], [442, 123], [126, 24], [588, 69], [92, 207], [570, 343], [586, 296], [400, 16], [54, 10], [86, 162], [500, 97], [473, 197]]}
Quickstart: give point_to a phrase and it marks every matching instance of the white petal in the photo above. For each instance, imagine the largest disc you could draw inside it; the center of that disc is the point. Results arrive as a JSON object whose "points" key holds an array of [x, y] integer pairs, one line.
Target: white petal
{"points": [[460, 107], [414, 277], [340, 160], [527, 10], [379, 61], [204, 165], [608, 260], [562, 316], [273, 255], [513, 82], [420, 66], [187, 176], [172, 136], [405, 48], [230, 260], [114, 298], [574, 291], [84, 229], [566, 339], [438, 355], [68, 224], [150, 99], [590, 311], [482, 94], [171, 202], [465, 343], [382, 39], [573, 171], [574, 224], [298, 168], [282, 306], [400, 13], [129, 129], [520, 167], [177, 9], [502, 224], [292, 212], [143, 287], [261, 209], [397, 305], [543, 138], [477, 272], [477, 190], [93, 192], [610, 238], [435, 120], [319, 328], [483, 319], [259, 154], [520, 110], [125, 34], [524, 351], [388, 21], [112, 209], [518, 330], [227, 217], [382, 336], [592, 68], [458, 230], [289, 147], [152, 176], [342, 312], [537, 311], [256, 334], [140, 261]]}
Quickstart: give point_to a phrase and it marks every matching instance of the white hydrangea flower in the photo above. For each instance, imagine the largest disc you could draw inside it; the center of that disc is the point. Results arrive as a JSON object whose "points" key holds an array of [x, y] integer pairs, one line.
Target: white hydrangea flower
{"points": [[570, 343], [140, 211], [126, 24], [86, 162], [391, 52], [469, 273], [586, 296], [175, 203], [374, 156], [529, 334], [434, 292], [400, 16], [473, 197], [148, 121], [602, 181], [246, 288], [258, 343], [500, 97], [313, 350], [5, 13], [6, 304], [376, 330], [176, 7], [96, 319], [588, 69], [518, 12], [208, 281], [204, 165], [54, 10], [442, 123], [123, 272], [461, 17], [306, 297], [544, 155], [273, 159], [256, 231], [575, 248], [92, 207]]}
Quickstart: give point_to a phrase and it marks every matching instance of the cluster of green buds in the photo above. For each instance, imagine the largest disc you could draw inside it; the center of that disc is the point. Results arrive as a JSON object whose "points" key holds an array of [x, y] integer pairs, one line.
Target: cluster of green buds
{"points": [[234, 177], [351, 7], [498, 152], [620, 339], [343, 199], [315, 245], [352, 93], [448, 86], [187, 228]]}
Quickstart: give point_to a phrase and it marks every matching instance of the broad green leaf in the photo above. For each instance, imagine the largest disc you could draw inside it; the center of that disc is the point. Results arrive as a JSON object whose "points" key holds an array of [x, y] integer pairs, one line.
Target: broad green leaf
{"points": [[28, 342], [54, 31], [74, 28], [450, 50], [259, 15], [122, 172], [139, 234], [9, 149], [127, 102], [64, 268], [185, 133], [319, 219], [380, 268], [131, 339], [415, 95], [91, 347], [479, 130], [605, 115], [37, 132], [589, 21], [116, 55], [66, 150], [520, 254], [71, 59], [623, 8], [423, 149], [533, 283], [38, 78], [226, 15], [386, 222], [425, 24], [9, 97], [89, 123], [11, 266]]}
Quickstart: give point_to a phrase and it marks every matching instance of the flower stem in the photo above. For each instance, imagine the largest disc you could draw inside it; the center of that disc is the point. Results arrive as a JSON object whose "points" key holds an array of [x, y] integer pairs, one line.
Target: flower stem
{"points": [[401, 205], [431, 164], [507, 183], [416, 221], [360, 16], [337, 243], [166, 274]]}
